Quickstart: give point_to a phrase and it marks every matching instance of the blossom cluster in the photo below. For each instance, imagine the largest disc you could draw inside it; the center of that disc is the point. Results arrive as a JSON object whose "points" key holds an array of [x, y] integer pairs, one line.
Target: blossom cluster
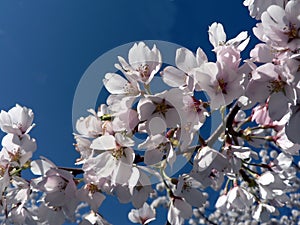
{"points": [[131, 146]]}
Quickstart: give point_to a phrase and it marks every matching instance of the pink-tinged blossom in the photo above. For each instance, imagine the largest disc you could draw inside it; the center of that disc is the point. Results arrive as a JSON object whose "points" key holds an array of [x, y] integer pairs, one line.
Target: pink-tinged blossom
{"points": [[158, 147], [270, 81], [82, 146], [118, 85], [142, 189], [257, 7], [188, 188], [239, 198], [123, 92], [280, 27], [183, 75], [92, 195], [138, 188], [260, 115], [281, 164], [58, 185], [115, 159], [271, 185], [18, 120], [174, 110], [143, 63], [236, 155], [18, 149], [262, 53], [179, 210], [209, 167], [222, 84], [195, 111], [143, 215], [90, 126], [160, 111], [217, 38], [125, 120]]}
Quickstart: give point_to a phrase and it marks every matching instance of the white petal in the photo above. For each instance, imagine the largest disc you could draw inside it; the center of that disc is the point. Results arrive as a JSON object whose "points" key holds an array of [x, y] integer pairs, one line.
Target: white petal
{"points": [[185, 60], [153, 156], [115, 83], [278, 106], [41, 166], [105, 142], [217, 35], [173, 76]]}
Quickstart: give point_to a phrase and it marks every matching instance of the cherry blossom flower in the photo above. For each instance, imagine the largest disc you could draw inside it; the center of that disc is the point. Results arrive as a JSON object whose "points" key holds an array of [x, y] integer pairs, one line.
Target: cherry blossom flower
{"points": [[188, 188], [217, 38], [195, 111], [235, 156], [91, 194], [257, 7], [209, 166], [125, 120], [90, 126], [183, 75], [236, 198], [157, 148], [279, 89], [59, 188], [18, 149], [281, 164], [271, 185], [83, 147], [18, 120], [143, 63], [143, 215], [179, 210], [142, 189], [279, 27], [239, 198], [160, 111], [115, 158], [222, 85], [123, 92]]}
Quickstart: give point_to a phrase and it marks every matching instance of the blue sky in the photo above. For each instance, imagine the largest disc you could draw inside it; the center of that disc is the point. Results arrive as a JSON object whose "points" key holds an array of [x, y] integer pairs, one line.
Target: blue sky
{"points": [[47, 45]]}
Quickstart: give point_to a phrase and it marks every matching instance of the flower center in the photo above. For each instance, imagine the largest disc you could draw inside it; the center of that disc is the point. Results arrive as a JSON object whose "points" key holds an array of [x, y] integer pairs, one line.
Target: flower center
{"points": [[187, 186], [291, 31], [143, 70], [162, 107], [118, 152], [92, 188], [276, 86], [222, 86]]}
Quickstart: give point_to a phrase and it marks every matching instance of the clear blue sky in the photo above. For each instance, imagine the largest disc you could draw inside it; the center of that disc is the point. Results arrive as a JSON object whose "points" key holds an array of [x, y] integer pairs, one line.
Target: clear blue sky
{"points": [[46, 45]]}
